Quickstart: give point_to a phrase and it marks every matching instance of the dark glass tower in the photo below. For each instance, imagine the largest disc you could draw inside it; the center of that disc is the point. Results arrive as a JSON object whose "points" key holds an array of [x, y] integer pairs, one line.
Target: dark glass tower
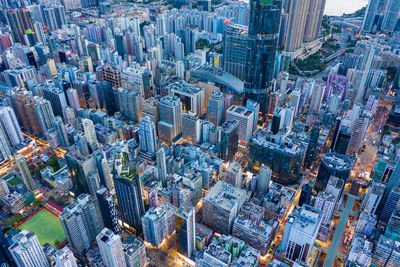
{"points": [[264, 26]]}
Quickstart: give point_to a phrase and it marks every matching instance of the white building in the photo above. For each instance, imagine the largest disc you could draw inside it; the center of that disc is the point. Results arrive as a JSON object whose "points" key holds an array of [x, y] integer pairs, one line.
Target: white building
{"points": [[27, 251], [65, 258], [245, 117], [111, 249]]}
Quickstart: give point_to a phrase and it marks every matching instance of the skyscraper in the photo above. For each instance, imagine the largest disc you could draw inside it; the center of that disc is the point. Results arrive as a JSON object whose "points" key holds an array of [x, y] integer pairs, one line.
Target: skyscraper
{"points": [[90, 134], [264, 26], [130, 202], [229, 139], [5, 255], [5, 147], [315, 15], [391, 15], [25, 173], [147, 137], [264, 178], [170, 124], [372, 15], [108, 209], [162, 166], [27, 251], [44, 113], [235, 44], [10, 125], [111, 249], [82, 222], [185, 229], [215, 108], [61, 131], [191, 127], [298, 241]]}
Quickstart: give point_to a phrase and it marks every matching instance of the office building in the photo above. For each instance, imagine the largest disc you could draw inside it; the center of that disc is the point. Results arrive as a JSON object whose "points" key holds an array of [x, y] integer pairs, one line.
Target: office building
{"points": [[191, 127], [5, 255], [56, 97], [342, 141], [245, 117], [108, 209], [261, 49], [393, 227], [73, 99], [359, 131], [62, 136], [191, 96], [235, 48], [255, 107], [158, 223], [147, 137], [170, 124], [300, 233], [229, 140], [65, 258], [82, 222], [233, 174], [5, 147], [332, 164], [221, 205], [129, 103], [391, 16], [110, 73], [13, 202], [277, 152], [25, 173], [305, 195], [390, 185], [162, 166], [130, 202], [372, 15], [10, 125], [264, 178], [110, 247], [373, 197], [325, 203], [27, 251], [315, 15], [390, 205], [185, 229], [311, 152], [215, 108]]}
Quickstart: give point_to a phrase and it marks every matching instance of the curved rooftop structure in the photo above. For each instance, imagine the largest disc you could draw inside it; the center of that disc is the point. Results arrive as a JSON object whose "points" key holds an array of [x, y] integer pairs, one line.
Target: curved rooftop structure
{"points": [[219, 77]]}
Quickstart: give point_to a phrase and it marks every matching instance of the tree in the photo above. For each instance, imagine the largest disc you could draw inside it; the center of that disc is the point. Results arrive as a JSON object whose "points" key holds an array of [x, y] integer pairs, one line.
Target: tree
{"points": [[56, 243], [52, 198], [38, 203], [386, 130]]}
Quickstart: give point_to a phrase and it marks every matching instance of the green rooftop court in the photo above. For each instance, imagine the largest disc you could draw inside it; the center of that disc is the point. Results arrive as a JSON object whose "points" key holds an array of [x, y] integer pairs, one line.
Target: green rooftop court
{"points": [[46, 226], [14, 181]]}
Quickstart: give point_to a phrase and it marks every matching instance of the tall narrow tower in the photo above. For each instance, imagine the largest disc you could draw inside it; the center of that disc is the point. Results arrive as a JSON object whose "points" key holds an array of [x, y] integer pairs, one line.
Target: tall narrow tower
{"points": [[262, 44]]}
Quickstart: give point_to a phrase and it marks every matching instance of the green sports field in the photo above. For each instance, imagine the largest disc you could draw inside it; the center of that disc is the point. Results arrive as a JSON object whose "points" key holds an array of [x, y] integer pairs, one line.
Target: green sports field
{"points": [[46, 226]]}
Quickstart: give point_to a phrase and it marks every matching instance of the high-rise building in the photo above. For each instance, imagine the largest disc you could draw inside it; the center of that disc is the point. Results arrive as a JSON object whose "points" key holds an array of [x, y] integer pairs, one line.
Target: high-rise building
{"points": [[158, 223], [383, 250], [10, 125], [162, 166], [390, 205], [108, 209], [265, 17], [129, 103], [90, 134], [233, 174], [326, 203], [151, 109], [80, 167], [65, 258], [372, 15], [73, 99], [298, 241], [25, 173], [229, 139], [5, 147], [393, 226], [393, 182], [185, 229], [342, 141], [391, 16], [245, 117], [62, 136], [311, 152], [215, 108], [255, 107], [82, 222], [135, 252], [332, 164], [315, 15], [57, 98], [191, 127], [191, 96], [147, 137], [170, 124], [130, 201], [44, 113], [221, 205], [264, 178], [111, 74], [27, 251], [305, 195], [235, 47], [5, 255], [373, 197], [111, 249]]}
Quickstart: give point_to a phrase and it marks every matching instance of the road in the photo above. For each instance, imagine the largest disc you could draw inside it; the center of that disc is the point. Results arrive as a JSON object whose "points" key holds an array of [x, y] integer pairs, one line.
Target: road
{"points": [[337, 237]]}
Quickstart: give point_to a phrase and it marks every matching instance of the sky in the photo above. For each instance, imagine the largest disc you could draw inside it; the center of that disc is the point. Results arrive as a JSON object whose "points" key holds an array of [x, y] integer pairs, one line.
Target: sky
{"points": [[338, 7]]}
